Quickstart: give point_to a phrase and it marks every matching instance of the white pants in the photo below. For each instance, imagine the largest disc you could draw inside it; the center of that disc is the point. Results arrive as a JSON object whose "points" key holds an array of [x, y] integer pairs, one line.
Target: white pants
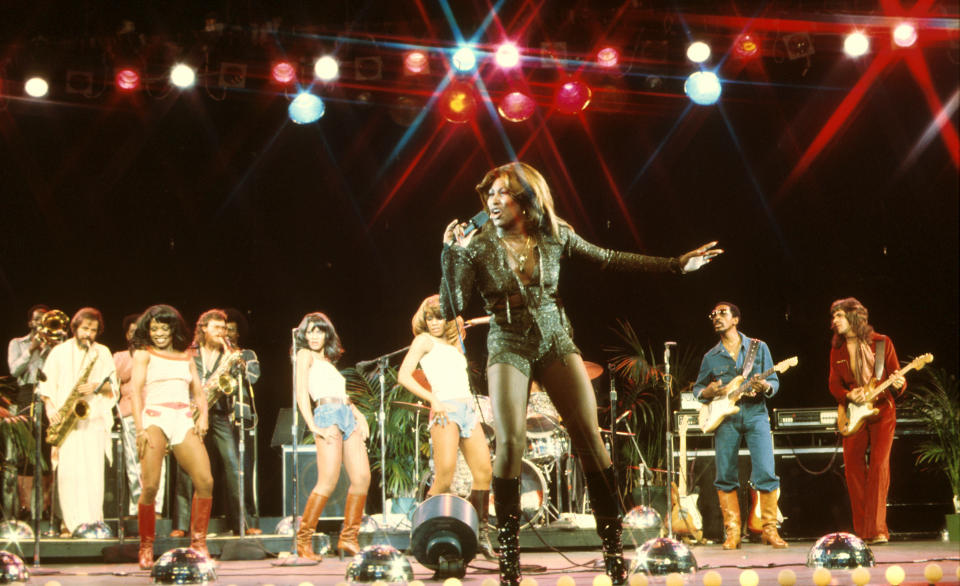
{"points": [[80, 473]]}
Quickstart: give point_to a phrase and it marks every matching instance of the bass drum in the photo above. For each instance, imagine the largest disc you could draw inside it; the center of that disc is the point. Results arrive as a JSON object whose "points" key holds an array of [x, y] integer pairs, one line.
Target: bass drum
{"points": [[534, 493]]}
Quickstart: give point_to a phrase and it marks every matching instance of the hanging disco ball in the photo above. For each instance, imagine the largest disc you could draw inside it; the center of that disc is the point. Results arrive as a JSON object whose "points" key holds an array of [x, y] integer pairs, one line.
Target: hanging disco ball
{"points": [[840, 551], [662, 556], [15, 531], [379, 562], [12, 569], [96, 530], [183, 566]]}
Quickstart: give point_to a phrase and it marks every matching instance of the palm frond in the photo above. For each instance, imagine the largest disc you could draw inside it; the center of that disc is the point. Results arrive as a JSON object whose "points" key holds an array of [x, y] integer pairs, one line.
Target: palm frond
{"points": [[935, 399]]}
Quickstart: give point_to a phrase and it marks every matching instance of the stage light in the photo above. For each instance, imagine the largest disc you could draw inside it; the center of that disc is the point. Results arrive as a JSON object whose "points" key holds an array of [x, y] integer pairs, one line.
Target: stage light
{"points": [[36, 87], [698, 52], [507, 56], [608, 57], [182, 76], [905, 35], [416, 63], [444, 535], [703, 88], [326, 68], [368, 68], [856, 44], [283, 72], [458, 104], [573, 97], [127, 79], [838, 551], [306, 108], [798, 45], [464, 59], [80, 82], [233, 75], [746, 46], [516, 106]]}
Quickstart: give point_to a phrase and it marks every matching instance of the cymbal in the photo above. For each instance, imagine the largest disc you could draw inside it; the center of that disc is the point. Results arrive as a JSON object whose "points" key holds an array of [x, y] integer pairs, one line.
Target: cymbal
{"points": [[410, 406], [593, 369], [626, 433]]}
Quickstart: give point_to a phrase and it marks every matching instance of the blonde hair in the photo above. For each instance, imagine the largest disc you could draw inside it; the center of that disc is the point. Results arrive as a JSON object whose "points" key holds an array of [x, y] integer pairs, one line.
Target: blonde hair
{"points": [[531, 192], [453, 331]]}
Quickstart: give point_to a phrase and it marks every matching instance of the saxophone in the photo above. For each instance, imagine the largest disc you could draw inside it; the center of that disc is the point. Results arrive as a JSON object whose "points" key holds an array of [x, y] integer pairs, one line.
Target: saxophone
{"points": [[221, 382], [74, 409]]}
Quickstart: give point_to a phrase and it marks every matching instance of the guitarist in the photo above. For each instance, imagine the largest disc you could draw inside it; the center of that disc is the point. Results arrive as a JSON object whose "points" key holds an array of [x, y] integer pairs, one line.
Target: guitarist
{"points": [[734, 355], [853, 363]]}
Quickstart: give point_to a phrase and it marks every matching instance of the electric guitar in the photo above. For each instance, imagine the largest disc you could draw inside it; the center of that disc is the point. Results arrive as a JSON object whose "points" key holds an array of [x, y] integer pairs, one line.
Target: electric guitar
{"points": [[850, 418], [685, 517], [714, 412]]}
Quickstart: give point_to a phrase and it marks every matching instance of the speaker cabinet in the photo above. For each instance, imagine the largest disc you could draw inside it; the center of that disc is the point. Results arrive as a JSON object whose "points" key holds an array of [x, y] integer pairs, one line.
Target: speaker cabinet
{"points": [[307, 458]]}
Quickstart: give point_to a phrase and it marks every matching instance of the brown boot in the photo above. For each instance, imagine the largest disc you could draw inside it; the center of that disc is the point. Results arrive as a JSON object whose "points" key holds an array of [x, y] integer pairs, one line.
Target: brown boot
{"points": [[147, 526], [352, 517], [199, 519], [308, 523], [730, 507], [768, 517], [480, 499]]}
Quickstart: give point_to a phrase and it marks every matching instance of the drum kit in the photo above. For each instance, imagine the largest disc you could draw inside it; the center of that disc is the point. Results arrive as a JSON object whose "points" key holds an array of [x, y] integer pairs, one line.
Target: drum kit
{"points": [[548, 470]]}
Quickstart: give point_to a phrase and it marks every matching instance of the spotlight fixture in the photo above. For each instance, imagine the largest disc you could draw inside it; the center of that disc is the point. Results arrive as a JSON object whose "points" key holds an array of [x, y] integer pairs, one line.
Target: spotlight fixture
{"points": [[573, 97], [507, 55], [698, 52], [458, 104], [182, 76], [516, 106], [368, 68], [798, 45], [444, 535], [905, 34], [746, 46], [703, 88], [856, 44], [608, 57], [80, 82], [416, 63], [127, 79], [306, 108], [233, 75], [464, 60], [283, 72], [326, 68], [36, 87]]}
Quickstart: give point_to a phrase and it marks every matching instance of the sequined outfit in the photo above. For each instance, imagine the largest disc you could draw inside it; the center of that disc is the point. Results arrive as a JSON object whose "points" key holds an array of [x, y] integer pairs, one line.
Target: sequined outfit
{"points": [[528, 328]]}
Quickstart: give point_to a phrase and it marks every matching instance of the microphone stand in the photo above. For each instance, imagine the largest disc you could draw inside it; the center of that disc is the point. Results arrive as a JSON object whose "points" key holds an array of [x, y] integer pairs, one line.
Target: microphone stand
{"points": [[294, 559], [613, 418], [241, 449], [668, 383], [37, 468]]}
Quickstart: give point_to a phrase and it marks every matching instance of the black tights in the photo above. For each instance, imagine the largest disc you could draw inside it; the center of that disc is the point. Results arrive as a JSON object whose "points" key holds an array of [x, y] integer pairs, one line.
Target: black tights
{"points": [[568, 386]]}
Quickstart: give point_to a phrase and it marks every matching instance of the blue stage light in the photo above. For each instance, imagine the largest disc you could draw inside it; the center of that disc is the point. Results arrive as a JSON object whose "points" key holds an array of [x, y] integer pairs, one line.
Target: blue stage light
{"points": [[703, 87], [306, 108]]}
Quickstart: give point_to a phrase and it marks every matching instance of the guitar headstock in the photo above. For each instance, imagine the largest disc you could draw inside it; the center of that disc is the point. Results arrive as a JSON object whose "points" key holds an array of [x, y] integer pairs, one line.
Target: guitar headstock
{"points": [[922, 360], [783, 365]]}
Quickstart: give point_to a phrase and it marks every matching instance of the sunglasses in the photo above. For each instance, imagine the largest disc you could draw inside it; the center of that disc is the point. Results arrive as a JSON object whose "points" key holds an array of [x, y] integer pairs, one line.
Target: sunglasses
{"points": [[717, 313]]}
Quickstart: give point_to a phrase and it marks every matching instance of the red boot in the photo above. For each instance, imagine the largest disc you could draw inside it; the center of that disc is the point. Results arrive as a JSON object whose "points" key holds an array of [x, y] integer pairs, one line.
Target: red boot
{"points": [[199, 519], [147, 525]]}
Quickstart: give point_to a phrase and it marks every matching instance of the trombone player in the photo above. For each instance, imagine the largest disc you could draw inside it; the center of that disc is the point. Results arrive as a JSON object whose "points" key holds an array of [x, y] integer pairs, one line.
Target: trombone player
{"points": [[78, 395]]}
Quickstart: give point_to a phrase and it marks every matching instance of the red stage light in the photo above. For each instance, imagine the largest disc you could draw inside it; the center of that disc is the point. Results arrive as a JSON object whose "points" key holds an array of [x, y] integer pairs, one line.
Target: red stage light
{"points": [[127, 79], [416, 62], [608, 57], [573, 96], [458, 104], [507, 55], [283, 72], [516, 106], [746, 46]]}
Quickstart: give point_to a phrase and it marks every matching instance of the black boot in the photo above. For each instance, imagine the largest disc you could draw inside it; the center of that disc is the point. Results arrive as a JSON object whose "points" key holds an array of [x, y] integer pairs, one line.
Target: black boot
{"points": [[602, 487], [506, 502], [480, 499]]}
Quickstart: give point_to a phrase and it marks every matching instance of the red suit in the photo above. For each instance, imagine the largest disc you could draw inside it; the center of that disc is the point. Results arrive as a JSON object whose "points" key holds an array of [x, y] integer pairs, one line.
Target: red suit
{"points": [[867, 484]]}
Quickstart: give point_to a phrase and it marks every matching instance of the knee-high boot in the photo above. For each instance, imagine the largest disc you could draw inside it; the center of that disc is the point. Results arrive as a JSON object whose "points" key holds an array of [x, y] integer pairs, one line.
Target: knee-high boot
{"points": [[768, 517], [349, 543], [308, 524], [602, 487], [480, 499], [730, 508], [147, 527], [506, 502], [199, 520]]}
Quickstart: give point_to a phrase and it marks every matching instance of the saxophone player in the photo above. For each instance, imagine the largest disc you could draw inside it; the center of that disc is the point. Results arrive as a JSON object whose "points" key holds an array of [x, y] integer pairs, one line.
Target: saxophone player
{"points": [[79, 367]]}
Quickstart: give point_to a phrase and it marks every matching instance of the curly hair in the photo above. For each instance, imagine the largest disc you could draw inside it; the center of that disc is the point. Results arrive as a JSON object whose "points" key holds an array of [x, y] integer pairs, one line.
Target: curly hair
{"points": [[531, 192], [165, 314], [857, 315], [206, 317], [453, 331], [332, 348]]}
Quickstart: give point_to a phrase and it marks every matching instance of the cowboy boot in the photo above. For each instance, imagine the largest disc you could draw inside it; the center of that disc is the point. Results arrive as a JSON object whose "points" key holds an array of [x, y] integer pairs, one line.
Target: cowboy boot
{"points": [[730, 507], [147, 526], [480, 499], [768, 518], [308, 523], [602, 488], [506, 502], [352, 518], [199, 519]]}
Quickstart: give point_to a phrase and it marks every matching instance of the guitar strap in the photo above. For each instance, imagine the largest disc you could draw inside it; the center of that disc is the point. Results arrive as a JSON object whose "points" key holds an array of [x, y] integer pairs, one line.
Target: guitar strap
{"points": [[751, 357], [879, 355]]}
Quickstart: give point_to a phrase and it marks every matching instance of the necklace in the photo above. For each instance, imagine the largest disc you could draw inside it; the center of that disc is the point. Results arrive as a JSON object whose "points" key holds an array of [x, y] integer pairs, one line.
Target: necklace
{"points": [[521, 256]]}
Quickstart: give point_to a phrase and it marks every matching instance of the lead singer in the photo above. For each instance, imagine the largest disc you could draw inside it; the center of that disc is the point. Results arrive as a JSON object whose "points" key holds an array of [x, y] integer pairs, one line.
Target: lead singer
{"points": [[513, 261]]}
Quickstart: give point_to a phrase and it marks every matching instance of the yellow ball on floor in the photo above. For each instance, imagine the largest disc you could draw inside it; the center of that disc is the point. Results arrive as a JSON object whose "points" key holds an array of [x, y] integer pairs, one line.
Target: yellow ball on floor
{"points": [[712, 578], [821, 576], [860, 576], [566, 581], [452, 582], [528, 581], [749, 578], [639, 580], [787, 578], [933, 573], [895, 575], [602, 580], [674, 579]]}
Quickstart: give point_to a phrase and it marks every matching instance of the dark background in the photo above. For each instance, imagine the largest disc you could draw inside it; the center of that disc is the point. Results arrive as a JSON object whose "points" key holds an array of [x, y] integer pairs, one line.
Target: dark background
{"points": [[121, 202]]}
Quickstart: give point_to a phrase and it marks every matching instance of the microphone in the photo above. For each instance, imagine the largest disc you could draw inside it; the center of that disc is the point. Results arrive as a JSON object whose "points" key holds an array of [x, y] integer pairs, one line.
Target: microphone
{"points": [[666, 349], [624, 414], [476, 222]]}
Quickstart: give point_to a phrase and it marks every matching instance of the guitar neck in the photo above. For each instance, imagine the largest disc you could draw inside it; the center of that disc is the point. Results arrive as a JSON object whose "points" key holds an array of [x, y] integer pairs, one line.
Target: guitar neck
{"points": [[883, 386], [745, 385], [682, 468]]}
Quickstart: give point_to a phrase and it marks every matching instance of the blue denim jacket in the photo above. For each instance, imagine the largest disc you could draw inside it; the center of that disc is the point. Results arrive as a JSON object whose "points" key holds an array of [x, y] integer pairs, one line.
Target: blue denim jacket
{"points": [[718, 364]]}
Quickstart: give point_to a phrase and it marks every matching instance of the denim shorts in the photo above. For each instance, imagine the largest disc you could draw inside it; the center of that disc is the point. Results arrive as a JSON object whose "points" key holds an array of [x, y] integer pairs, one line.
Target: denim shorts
{"points": [[337, 414], [463, 412]]}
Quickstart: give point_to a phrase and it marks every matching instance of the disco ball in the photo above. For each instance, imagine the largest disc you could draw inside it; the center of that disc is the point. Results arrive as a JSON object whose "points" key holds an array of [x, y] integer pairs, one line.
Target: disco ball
{"points": [[379, 562], [12, 569], [838, 551], [643, 523], [287, 525], [662, 556], [15, 531], [183, 566], [96, 530]]}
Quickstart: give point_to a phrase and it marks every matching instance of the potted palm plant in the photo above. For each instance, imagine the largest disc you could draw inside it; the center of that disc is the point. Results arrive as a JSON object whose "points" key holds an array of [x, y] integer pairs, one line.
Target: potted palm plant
{"points": [[936, 400]]}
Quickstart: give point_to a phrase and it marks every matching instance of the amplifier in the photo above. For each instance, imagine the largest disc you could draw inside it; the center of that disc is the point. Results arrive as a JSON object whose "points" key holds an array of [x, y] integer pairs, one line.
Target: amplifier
{"points": [[806, 418]]}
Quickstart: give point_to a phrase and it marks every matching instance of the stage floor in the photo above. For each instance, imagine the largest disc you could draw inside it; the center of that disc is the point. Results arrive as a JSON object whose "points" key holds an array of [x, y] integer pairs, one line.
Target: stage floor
{"points": [[547, 567]]}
